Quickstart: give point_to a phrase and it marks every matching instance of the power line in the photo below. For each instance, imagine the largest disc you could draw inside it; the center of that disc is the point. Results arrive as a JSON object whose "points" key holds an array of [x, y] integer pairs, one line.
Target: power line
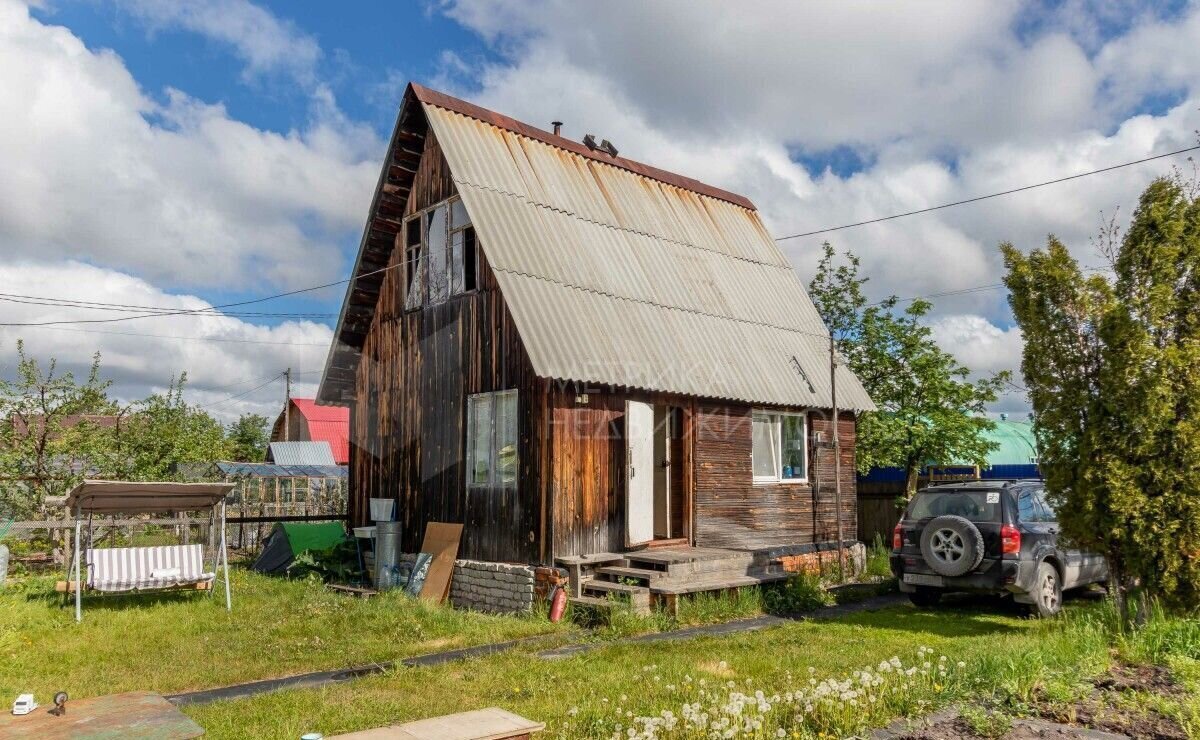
{"points": [[210, 309], [161, 311], [240, 395], [978, 198], [186, 338]]}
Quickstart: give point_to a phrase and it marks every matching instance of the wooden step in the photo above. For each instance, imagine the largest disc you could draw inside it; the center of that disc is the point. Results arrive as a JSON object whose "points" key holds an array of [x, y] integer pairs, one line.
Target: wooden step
{"points": [[637, 596], [609, 587], [582, 567], [596, 558], [619, 571], [714, 583], [594, 602]]}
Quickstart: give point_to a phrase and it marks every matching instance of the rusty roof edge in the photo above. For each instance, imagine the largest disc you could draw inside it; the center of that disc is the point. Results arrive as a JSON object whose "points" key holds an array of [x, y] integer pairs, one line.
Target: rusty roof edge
{"points": [[462, 107]]}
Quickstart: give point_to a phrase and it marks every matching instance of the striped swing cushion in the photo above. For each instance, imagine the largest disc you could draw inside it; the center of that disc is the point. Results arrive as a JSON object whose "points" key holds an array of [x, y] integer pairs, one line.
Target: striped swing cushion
{"points": [[138, 568]]}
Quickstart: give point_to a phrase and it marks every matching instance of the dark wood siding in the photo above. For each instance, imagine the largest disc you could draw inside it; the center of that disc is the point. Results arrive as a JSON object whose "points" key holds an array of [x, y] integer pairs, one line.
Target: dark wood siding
{"points": [[408, 422], [732, 511]]}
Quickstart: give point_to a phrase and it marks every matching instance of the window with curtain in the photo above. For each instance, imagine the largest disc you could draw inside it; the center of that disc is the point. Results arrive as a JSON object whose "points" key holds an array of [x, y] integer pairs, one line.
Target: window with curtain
{"points": [[779, 449], [492, 439]]}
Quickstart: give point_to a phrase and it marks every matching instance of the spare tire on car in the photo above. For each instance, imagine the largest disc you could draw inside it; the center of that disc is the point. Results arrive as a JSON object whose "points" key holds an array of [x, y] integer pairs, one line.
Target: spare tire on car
{"points": [[952, 545]]}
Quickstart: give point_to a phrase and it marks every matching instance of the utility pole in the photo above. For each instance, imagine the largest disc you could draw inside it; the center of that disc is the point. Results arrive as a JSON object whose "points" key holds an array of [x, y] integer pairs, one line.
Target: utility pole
{"points": [[837, 457], [287, 404]]}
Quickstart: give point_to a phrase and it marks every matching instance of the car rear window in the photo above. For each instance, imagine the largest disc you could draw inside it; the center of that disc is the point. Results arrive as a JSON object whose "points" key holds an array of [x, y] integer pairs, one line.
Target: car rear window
{"points": [[977, 506]]}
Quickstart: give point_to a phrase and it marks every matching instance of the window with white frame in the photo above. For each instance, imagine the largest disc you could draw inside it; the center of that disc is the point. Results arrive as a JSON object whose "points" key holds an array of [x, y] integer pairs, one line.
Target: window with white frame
{"points": [[492, 439], [439, 254], [780, 448]]}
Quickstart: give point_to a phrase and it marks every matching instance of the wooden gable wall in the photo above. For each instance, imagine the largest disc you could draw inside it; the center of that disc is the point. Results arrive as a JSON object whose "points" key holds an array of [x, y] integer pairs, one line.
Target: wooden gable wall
{"points": [[408, 419]]}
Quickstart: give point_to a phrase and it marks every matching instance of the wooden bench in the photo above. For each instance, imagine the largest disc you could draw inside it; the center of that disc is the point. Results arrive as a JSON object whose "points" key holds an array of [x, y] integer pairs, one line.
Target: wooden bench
{"points": [[492, 723]]}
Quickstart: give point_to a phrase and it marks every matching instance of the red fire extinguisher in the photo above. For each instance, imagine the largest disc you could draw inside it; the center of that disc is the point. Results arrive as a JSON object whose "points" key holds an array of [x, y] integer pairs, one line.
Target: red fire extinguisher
{"points": [[558, 603]]}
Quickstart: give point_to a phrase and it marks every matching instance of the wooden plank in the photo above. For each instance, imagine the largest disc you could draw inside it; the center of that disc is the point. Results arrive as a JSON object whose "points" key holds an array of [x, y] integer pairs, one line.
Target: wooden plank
{"points": [[69, 587], [441, 541], [138, 714], [492, 723]]}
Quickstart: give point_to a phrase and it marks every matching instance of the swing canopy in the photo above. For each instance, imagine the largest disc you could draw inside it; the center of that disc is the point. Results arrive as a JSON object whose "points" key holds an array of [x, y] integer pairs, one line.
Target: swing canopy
{"points": [[107, 497]]}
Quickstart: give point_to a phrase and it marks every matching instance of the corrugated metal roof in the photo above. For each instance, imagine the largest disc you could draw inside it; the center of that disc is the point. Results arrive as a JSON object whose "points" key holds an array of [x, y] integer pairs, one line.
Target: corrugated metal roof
{"points": [[301, 453], [267, 470], [617, 278]]}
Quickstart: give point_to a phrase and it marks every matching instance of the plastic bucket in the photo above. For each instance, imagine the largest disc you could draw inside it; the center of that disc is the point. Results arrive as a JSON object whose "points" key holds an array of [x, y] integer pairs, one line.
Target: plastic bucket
{"points": [[387, 554]]}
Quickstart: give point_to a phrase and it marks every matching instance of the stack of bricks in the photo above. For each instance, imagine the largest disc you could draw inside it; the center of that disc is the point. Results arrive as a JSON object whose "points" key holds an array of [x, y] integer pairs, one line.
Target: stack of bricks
{"points": [[545, 579], [492, 587]]}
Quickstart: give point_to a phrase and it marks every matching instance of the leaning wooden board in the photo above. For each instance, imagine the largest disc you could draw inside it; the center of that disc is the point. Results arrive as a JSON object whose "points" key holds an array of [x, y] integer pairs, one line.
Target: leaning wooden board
{"points": [[492, 723], [441, 541], [138, 714]]}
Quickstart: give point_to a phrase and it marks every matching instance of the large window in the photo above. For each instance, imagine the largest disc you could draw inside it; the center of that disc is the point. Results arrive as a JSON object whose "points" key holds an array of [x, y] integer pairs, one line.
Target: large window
{"points": [[492, 439], [780, 450], [439, 254]]}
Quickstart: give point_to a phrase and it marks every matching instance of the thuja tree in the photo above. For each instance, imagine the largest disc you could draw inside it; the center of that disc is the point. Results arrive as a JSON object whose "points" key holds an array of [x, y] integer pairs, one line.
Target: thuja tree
{"points": [[929, 409], [1113, 370]]}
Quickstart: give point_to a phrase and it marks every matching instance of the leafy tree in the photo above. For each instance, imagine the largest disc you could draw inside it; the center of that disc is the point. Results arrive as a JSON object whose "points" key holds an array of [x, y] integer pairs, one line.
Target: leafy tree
{"points": [[1113, 369], [248, 438], [165, 431], [46, 444], [928, 409]]}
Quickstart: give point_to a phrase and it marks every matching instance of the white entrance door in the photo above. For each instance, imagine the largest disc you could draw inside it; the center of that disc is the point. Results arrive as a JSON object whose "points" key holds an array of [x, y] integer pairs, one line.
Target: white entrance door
{"points": [[639, 472]]}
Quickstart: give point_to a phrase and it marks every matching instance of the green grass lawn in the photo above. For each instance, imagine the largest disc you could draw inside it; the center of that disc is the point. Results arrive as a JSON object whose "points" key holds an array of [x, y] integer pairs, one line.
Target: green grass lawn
{"points": [[181, 642], [994, 657], [1005, 658]]}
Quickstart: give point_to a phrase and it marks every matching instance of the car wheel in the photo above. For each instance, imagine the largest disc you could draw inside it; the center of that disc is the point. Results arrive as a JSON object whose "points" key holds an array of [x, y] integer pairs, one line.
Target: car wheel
{"points": [[925, 597], [952, 545], [1047, 592]]}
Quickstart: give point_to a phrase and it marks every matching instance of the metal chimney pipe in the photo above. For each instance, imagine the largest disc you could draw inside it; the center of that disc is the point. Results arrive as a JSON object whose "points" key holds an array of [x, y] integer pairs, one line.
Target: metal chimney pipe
{"points": [[557, 127]]}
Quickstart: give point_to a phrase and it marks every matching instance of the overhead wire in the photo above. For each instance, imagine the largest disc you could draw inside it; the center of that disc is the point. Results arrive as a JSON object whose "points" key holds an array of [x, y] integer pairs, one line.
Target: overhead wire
{"points": [[978, 198], [208, 310]]}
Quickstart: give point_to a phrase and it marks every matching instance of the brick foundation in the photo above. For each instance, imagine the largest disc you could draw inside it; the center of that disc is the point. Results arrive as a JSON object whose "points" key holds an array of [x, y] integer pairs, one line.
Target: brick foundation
{"points": [[820, 558]]}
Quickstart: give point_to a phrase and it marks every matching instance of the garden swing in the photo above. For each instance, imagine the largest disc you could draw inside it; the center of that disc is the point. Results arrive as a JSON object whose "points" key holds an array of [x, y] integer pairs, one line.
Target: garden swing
{"points": [[141, 569]]}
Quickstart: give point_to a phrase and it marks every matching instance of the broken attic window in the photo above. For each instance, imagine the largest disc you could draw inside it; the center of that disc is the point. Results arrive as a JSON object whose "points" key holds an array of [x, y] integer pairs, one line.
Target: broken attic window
{"points": [[440, 254]]}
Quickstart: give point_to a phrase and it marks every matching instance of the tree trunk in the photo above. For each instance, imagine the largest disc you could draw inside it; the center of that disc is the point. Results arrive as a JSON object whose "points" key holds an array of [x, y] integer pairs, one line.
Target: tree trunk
{"points": [[1116, 590], [910, 479]]}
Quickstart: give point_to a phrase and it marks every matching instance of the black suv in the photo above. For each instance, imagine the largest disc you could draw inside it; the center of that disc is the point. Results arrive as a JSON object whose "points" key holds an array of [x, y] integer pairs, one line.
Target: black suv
{"points": [[989, 536]]}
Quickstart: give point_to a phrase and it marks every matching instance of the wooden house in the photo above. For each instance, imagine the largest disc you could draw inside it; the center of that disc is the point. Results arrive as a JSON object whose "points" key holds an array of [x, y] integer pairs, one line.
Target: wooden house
{"points": [[571, 353]]}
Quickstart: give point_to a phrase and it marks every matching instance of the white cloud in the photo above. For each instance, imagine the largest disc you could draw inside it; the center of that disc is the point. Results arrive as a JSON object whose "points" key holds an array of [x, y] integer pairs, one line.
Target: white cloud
{"points": [[264, 42], [223, 356], [958, 100], [174, 191]]}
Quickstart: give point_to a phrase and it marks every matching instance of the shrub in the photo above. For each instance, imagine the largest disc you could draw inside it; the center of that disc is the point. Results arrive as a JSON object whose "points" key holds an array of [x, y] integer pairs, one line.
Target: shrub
{"points": [[803, 592]]}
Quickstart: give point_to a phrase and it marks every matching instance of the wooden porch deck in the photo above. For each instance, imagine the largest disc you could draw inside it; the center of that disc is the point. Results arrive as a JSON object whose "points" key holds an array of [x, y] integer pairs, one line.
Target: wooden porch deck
{"points": [[660, 575]]}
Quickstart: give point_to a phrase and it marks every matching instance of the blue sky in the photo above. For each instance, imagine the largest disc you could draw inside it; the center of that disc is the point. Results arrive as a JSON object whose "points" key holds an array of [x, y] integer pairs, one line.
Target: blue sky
{"points": [[221, 151]]}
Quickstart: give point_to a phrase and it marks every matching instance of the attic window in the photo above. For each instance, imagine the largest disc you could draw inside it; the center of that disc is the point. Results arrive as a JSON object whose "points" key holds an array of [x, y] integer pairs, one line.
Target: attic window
{"points": [[440, 254]]}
